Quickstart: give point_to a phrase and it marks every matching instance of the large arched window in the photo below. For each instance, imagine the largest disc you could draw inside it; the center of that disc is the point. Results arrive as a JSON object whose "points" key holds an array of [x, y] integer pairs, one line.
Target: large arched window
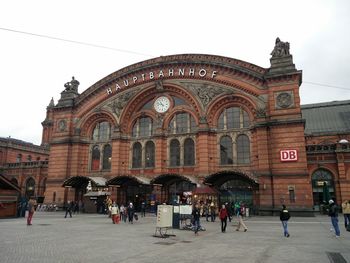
{"points": [[226, 150], [182, 123], [243, 149], [143, 127], [174, 153], [233, 118], [189, 152], [149, 154], [95, 160], [137, 155], [107, 157], [102, 131]]}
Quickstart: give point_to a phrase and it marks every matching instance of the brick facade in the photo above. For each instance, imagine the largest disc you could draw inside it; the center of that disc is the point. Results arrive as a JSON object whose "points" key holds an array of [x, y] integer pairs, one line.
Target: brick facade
{"points": [[205, 94]]}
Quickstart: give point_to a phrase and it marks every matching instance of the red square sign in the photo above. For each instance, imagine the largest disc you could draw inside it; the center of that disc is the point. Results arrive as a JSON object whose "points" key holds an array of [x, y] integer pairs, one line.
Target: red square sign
{"points": [[289, 155]]}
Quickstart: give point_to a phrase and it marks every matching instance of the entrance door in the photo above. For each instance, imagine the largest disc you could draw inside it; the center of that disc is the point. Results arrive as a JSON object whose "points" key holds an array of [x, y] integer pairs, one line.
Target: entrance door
{"points": [[319, 178]]}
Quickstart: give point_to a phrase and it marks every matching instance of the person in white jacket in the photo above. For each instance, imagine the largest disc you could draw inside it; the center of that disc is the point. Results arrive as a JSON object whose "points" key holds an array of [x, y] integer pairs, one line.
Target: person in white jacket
{"points": [[115, 213]]}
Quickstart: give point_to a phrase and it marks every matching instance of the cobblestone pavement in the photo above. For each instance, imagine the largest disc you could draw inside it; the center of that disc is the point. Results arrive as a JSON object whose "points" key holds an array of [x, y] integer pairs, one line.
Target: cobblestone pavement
{"points": [[93, 238]]}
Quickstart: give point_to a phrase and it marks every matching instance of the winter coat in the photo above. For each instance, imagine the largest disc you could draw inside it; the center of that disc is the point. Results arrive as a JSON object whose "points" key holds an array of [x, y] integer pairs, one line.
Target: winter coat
{"points": [[223, 213], [333, 210], [284, 215]]}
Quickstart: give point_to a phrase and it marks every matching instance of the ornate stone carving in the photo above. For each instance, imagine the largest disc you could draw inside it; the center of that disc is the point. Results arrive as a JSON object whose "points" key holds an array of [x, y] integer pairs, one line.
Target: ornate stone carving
{"points": [[62, 125], [260, 112], [119, 103], [72, 85], [281, 49], [284, 100], [206, 93], [159, 85]]}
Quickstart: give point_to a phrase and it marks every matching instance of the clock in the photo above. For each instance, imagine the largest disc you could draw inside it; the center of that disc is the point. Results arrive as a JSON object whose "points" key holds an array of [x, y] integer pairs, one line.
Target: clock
{"points": [[162, 104]]}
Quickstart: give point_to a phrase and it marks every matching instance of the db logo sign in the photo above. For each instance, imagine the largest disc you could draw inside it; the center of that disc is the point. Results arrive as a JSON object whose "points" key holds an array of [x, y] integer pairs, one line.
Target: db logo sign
{"points": [[289, 155]]}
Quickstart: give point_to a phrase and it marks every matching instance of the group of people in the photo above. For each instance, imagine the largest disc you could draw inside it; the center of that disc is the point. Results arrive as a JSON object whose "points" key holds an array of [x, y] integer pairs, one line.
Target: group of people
{"points": [[224, 214], [122, 213]]}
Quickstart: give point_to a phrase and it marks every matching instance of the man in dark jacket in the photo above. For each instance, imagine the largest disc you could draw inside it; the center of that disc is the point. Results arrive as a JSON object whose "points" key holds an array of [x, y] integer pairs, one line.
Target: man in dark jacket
{"points": [[196, 217], [284, 217], [333, 213]]}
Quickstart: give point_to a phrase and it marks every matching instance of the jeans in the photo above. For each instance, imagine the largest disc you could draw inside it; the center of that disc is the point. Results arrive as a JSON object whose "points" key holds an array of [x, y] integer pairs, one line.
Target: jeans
{"points": [[334, 220], [223, 224], [285, 228], [196, 226], [346, 220]]}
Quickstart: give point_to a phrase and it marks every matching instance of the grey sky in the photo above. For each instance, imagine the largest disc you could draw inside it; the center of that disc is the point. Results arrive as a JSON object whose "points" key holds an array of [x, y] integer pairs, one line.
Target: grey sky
{"points": [[34, 69]]}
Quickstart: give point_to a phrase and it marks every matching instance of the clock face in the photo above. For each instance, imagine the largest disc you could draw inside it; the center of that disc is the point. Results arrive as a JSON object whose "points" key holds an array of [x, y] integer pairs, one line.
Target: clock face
{"points": [[162, 104]]}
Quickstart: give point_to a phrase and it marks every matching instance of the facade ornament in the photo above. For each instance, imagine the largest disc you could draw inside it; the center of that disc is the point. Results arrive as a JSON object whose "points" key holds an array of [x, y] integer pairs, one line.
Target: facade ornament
{"points": [[52, 103], [119, 103], [62, 125], [159, 120], [72, 85], [281, 49], [159, 85], [284, 100], [206, 93], [260, 112]]}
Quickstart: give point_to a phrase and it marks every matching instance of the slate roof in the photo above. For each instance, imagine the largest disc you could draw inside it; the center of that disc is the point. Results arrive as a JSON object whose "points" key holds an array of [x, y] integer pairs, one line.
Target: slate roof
{"points": [[327, 118]]}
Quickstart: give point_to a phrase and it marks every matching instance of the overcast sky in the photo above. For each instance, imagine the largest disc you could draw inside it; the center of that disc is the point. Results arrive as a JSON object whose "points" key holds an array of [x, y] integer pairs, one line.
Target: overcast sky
{"points": [[33, 69]]}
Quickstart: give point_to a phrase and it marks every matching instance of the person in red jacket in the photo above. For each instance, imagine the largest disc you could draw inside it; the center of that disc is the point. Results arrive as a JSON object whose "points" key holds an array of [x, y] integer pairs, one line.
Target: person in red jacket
{"points": [[223, 217]]}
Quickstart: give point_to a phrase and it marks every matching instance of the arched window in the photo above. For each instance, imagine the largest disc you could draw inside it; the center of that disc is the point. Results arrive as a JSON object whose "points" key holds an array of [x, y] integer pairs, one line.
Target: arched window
{"points": [[29, 158], [142, 127], [174, 153], [19, 158], [182, 123], [233, 118], [149, 154], [226, 150], [95, 160], [137, 155], [102, 131], [107, 155], [243, 149], [189, 152]]}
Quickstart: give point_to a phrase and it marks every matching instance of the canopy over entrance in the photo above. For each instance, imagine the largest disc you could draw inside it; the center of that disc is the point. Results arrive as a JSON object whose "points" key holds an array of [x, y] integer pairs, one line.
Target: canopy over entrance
{"points": [[167, 179], [82, 181], [126, 179], [220, 178]]}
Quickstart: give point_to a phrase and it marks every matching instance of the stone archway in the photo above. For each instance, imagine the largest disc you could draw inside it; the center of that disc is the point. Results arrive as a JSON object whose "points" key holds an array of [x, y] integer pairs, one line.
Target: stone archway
{"points": [[235, 186], [319, 178]]}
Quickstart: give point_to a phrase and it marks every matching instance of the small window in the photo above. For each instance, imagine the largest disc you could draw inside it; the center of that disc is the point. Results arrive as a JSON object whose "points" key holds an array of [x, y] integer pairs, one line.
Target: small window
{"points": [[189, 152], [174, 153], [107, 157], [95, 160], [137, 155], [243, 149], [149, 154], [102, 132], [226, 150]]}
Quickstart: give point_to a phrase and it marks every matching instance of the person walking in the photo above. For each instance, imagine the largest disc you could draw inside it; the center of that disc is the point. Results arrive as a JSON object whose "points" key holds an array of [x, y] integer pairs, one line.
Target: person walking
{"points": [[240, 220], [212, 211], [346, 212], [143, 209], [131, 212], [115, 213], [284, 217], [69, 208], [31, 210], [195, 218], [223, 214], [333, 213]]}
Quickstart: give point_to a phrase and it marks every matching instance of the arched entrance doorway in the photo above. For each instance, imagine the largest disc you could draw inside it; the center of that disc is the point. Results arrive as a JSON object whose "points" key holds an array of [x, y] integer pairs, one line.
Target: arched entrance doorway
{"points": [[320, 192], [90, 199], [126, 189], [234, 186], [174, 188]]}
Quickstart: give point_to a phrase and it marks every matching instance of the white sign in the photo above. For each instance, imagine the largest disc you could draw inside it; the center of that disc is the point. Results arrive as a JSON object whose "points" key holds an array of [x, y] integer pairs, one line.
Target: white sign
{"points": [[288, 155]]}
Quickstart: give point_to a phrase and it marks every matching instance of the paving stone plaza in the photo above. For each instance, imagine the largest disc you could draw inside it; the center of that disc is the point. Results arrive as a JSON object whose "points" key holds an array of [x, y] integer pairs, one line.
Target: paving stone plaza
{"points": [[93, 238]]}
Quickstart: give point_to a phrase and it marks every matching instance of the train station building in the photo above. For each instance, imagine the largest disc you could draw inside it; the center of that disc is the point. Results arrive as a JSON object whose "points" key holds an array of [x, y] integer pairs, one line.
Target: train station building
{"points": [[194, 127]]}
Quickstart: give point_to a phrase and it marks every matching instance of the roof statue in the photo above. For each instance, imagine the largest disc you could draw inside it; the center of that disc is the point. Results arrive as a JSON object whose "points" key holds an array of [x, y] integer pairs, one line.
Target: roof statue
{"points": [[72, 85], [281, 48]]}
